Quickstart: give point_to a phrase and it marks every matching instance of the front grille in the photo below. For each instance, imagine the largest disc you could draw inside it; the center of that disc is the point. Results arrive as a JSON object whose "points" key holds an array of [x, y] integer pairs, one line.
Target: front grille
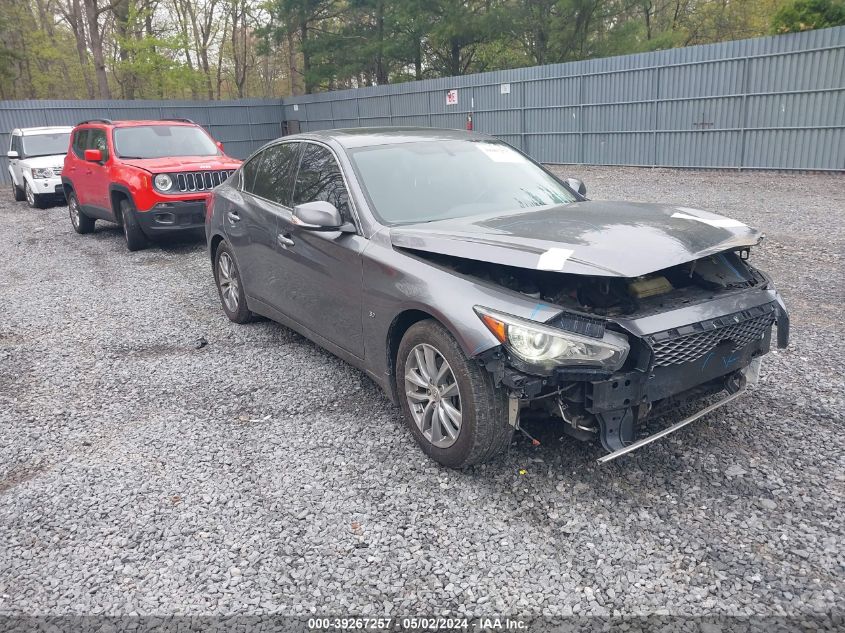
{"points": [[201, 180], [676, 348]]}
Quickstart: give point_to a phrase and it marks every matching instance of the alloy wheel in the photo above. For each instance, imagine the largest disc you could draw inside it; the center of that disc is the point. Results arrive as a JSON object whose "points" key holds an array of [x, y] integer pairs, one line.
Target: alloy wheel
{"points": [[227, 279], [434, 398], [30, 195]]}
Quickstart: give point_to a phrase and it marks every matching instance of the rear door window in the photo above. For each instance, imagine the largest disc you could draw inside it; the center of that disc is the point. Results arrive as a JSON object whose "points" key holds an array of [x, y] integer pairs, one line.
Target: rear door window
{"points": [[320, 178], [274, 176], [248, 172]]}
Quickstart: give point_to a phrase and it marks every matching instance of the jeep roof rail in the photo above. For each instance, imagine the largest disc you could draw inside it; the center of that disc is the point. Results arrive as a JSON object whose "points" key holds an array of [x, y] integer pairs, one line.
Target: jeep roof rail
{"points": [[177, 119], [106, 121]]}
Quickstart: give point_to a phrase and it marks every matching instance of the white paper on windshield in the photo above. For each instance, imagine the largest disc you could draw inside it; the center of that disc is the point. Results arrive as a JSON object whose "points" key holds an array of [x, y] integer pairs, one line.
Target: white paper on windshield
{"points": [[501, 153], [722, 223], [553, 259]]}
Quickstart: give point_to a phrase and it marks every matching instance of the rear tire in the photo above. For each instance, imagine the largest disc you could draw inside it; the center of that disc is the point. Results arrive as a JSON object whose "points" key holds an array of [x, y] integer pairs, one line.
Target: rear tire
{"points": [[81, 223], [19, 194], [483, 431], [135, 238], [230, 288]]}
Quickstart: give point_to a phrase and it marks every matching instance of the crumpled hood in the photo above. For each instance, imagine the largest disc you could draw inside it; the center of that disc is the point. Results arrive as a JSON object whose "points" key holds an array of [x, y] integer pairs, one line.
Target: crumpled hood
{"points": [[56, 160], [183, 163], [615, 239]]}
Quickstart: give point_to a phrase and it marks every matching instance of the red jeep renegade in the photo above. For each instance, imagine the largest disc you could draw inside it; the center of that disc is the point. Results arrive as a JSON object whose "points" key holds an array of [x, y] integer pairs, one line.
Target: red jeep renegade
{"points": [[150, 177]]}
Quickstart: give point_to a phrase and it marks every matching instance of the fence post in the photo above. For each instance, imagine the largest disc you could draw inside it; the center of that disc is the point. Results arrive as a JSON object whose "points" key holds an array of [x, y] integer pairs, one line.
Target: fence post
{"points": [[656, 119], [581, 116], [522, 136], [743, 112]]}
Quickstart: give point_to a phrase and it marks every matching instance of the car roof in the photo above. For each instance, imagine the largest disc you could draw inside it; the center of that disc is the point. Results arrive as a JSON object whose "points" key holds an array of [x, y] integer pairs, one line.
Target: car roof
{"points": [[138, 122], [368, 136], [26, 131]]}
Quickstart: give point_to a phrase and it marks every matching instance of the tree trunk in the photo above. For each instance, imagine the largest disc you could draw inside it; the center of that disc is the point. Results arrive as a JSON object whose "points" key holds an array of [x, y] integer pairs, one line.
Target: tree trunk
{"points": [[95, 38]]}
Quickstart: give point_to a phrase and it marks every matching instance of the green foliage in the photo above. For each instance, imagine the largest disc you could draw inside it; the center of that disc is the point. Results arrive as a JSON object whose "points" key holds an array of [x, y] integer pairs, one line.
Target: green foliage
{"points": [[803, 15], [225, 48]]}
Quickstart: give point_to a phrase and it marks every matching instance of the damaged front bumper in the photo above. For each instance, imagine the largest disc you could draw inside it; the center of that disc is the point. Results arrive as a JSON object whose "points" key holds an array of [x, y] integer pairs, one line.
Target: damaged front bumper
{"points": [[668, 368]]}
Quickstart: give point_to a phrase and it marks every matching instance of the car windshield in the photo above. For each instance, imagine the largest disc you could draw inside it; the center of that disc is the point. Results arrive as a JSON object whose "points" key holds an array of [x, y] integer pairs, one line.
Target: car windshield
{"points": [[46, 144], [160, 141], [434, 180]]}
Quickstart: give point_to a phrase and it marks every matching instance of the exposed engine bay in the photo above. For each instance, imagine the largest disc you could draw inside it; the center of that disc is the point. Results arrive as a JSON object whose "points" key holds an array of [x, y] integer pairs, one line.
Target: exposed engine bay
{"points": [[616, 296]]}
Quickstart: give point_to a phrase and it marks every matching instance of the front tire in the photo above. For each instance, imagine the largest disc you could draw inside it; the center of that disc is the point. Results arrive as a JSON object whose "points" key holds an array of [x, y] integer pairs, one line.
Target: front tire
{"points": [[455, 412], [32, 199], [132, 233], [227, 278], [18, 193], [81, 223]]}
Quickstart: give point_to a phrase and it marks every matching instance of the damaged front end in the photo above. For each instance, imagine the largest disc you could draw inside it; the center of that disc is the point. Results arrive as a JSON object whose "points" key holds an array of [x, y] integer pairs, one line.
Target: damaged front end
{"points": [[623, 351]]}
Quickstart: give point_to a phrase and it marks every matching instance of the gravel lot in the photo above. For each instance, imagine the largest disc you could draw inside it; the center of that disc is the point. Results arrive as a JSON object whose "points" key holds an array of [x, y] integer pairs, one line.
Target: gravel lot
{"points": [[259, 474]]}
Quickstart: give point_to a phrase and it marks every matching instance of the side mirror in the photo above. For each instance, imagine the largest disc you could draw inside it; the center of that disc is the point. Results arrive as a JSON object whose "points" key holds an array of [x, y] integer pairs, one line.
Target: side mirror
{"points": [[94, 155], [577, 185], [11, 154], [320, 216]]}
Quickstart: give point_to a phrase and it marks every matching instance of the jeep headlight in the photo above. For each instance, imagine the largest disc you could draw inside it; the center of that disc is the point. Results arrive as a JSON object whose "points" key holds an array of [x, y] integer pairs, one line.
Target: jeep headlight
{"points": [[42, 172], [544, 347], [163, 182]]}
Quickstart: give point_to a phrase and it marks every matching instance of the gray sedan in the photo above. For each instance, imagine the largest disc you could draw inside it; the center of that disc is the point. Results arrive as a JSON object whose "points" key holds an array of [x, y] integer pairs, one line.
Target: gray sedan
{"points": [[479, 290]]}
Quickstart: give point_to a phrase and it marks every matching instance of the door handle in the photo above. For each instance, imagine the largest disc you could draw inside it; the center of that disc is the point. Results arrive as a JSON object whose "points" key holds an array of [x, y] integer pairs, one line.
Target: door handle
{"points": [[233, 217], [89, 172], [284, 240]]}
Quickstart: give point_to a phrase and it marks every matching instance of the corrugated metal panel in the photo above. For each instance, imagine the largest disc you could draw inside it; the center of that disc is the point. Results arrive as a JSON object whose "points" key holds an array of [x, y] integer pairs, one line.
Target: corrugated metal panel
{"points": [[618, 149], [409, 104], [421, 120], [807, 109], [700, 114], [619, 117], [553, 120], [345, 109], [701, 80], [553, 92], [374, 106], [632, 85], [697, 106], [698, 149], [795, 149], [500, 122]]}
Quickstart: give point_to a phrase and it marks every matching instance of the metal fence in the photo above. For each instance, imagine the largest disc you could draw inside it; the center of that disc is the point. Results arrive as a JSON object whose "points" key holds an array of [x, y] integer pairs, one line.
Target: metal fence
{"points": [[242, 126], [767, 103]]}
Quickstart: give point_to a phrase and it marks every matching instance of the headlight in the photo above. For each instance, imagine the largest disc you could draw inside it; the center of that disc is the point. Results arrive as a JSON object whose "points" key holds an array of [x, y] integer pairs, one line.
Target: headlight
{"points": [[40, 172], [163, 182], [545, 347]]}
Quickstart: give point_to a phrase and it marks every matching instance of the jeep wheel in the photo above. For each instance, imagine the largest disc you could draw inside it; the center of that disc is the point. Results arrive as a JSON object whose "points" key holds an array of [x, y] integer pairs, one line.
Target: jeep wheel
{"points": [[81, 223], [135, 238], [32, 198], [454, 410], [20, 196], [229, 286]]}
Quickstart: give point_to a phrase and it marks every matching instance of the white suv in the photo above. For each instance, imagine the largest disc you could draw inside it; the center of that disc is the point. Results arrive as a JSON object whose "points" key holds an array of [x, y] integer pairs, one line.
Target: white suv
{"points": [[36, 156]]}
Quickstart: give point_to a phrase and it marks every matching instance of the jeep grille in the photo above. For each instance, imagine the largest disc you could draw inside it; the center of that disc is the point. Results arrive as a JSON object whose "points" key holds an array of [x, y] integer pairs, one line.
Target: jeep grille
{"points": [[201, 180]]}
